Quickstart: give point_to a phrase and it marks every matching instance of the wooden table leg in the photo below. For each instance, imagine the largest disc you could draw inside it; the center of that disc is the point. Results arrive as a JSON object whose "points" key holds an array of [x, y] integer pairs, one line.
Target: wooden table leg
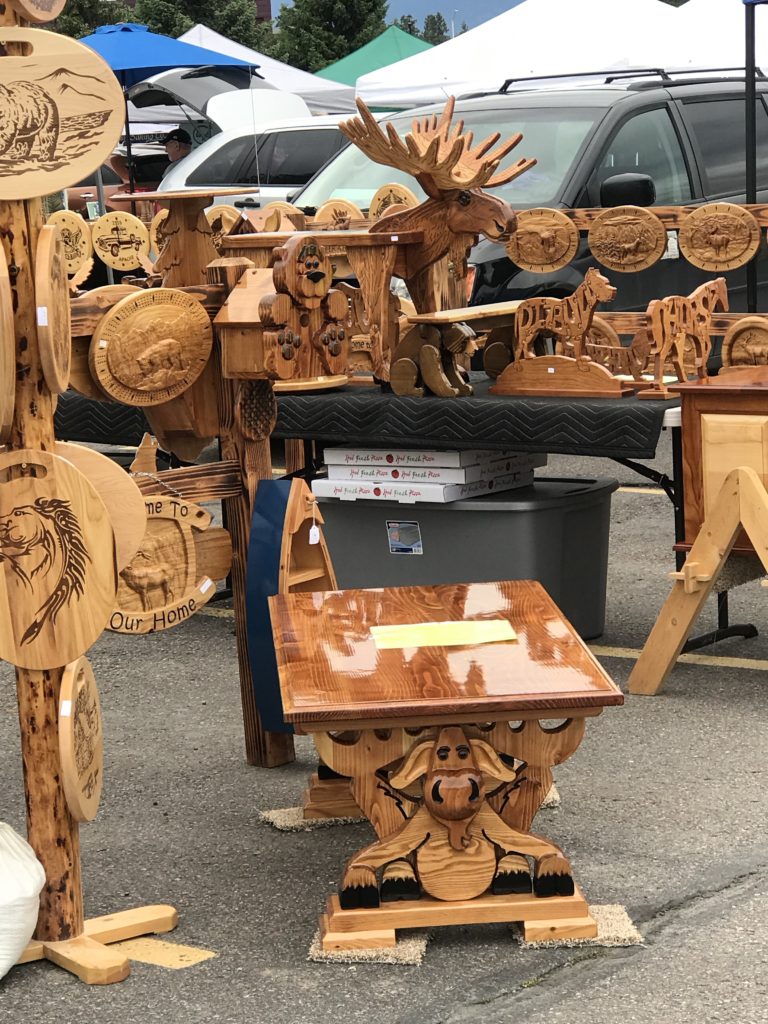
{"points": [[373, 268], [189, 247]]}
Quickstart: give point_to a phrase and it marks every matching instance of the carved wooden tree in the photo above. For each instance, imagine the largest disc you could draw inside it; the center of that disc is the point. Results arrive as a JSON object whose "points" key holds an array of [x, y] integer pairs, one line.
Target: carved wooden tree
{"points": [[451, 171]]}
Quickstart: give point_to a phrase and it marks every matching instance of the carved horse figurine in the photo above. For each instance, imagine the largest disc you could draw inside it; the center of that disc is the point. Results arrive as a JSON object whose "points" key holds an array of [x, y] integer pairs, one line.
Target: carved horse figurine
{"points": [[568, 320], [450, 171], [460, 845], [678, 321]]}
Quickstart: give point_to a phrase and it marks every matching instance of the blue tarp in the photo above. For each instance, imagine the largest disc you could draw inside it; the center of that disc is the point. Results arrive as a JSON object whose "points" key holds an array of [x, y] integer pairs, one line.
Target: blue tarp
{"points": [[134, 53]]}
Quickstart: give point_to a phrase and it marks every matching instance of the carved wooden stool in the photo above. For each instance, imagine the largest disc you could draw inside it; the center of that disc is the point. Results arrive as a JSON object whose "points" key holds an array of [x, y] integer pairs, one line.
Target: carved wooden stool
{"points": [[434, 701]]}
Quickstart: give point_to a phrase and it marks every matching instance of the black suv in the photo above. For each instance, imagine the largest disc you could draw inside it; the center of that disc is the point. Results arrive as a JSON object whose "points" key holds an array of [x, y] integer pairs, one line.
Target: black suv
{"points": [[686, 134]]}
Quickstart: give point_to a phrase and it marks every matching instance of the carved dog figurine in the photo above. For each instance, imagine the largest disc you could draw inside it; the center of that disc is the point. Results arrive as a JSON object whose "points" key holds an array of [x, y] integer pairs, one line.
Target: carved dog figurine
{"points": [[455, 836]]}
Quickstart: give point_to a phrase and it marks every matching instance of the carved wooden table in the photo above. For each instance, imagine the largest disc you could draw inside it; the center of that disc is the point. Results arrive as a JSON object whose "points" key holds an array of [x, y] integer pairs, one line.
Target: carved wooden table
{"points": [[449, 745]]}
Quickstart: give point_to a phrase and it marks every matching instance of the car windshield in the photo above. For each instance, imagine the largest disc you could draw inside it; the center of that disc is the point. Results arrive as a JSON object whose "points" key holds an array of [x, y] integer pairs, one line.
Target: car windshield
{"points": [[553, 135]]}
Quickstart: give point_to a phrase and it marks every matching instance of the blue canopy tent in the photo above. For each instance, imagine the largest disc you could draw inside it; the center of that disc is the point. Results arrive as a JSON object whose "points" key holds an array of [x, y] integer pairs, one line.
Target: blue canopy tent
{"points": [[134, 53]]}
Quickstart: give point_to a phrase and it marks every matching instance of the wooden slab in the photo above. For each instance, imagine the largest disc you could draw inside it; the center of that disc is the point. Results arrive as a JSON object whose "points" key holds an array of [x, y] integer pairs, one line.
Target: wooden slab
{"points": [[52, 299], [7, 351], [122, 498], [562, 377], [331, 670], [493, 314], [81, 740], [62, 112], [58, 576]]}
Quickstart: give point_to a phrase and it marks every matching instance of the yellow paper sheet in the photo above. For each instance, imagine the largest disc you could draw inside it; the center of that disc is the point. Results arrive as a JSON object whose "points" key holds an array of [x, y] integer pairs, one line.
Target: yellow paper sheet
{"points": [[443, 634]]}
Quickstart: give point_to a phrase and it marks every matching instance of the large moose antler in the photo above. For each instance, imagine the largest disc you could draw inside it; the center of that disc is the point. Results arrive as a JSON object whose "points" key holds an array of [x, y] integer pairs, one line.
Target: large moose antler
{"points": [[438, 156]]}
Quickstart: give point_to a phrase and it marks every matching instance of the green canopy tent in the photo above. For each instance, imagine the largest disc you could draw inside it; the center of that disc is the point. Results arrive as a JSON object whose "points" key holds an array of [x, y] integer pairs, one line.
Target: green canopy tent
{"points": [[392, 45]]}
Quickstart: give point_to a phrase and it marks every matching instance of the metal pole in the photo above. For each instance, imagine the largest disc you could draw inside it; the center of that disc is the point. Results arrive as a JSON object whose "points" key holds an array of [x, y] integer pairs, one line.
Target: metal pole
{"points": [[751, 141], [102, 211]]}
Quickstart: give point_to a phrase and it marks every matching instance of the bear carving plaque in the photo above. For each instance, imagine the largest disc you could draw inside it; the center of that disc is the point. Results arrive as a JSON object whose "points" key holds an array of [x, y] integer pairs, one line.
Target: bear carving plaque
{"points": [[61, 113]]}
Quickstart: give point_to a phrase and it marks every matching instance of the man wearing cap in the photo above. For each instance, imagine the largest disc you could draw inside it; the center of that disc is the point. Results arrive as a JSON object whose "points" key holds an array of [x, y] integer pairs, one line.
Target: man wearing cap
{"points": [[178, 144]]}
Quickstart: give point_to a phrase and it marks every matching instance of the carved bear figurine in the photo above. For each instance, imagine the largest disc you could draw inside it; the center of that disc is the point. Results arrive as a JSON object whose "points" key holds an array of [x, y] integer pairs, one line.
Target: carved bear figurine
{"points": [[304, 333]]}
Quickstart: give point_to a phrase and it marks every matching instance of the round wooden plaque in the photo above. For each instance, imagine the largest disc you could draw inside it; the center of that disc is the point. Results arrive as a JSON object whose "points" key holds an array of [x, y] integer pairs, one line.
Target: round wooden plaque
{"points": [[38, 11], [122, 498], [58, 576], [627, 239], [7, 351], [151, 346], [54, 332], [545, 240], [746, 343], [337, 213], [221, 218], [719, 236], [76, 236], [120, 240], [157, 238], [390, 195], [81, 740], [61, 113]]}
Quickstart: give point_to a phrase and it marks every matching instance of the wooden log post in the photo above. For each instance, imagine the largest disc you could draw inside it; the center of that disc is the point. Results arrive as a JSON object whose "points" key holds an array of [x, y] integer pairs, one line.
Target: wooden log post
{"points": [[267, 749]]}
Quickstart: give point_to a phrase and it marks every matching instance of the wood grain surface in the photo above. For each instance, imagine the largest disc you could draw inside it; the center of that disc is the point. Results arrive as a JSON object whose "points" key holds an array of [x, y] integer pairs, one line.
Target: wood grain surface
{"points": [[52, 298], [7, 358], [81, 740], [331, 670]]}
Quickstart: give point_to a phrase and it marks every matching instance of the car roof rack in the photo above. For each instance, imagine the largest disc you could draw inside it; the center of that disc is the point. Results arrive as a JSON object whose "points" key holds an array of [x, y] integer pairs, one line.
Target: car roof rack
{"points": [[699, 75], [609, 75]]}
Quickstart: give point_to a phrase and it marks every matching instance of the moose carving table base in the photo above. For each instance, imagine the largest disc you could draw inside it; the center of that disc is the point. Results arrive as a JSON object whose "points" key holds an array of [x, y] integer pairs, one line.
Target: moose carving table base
{"points": [[448, 745]]}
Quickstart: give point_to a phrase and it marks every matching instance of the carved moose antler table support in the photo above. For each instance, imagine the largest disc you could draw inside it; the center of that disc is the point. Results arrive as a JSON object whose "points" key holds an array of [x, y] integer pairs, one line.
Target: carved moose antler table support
{"points": [[423, 730]]}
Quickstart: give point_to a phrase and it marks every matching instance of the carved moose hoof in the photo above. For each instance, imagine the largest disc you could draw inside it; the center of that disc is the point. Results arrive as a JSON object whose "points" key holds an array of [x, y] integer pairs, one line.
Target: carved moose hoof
{"points": [[552, 876], [399, 882], [359, 889], [513, 875]]}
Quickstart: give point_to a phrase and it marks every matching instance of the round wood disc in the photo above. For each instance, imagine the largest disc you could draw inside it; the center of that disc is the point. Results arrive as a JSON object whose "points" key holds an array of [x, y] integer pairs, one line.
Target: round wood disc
{"points": [[122, 498], [221, 218], [61, 111], [545, 240], [627, 239], [746, 343], [38, 11], [719, 236], [337, 213], [76, 236], [58, 576], [151, 346], [157, 238], [7, 350], [120, 240], [283, 207], [390, 195], [54, 331], [81, 740]]}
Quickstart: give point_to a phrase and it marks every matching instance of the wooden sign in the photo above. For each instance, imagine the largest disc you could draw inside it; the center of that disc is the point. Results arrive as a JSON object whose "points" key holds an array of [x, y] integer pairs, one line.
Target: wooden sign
{"points": [[81, 740], [38, 11], [545, 240], [120, 240], [151, 346], [76, 236], [122, 498], [389, 196], [746, 343], [627, 239], [58, 576], [7, 351], [52, 298], [61, 112], [719, 236], [159, 588]]}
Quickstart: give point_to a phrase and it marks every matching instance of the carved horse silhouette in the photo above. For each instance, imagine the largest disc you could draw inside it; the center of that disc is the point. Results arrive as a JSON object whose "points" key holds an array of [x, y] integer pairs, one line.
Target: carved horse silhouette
{"points": [[680, 321], [568, 320]]}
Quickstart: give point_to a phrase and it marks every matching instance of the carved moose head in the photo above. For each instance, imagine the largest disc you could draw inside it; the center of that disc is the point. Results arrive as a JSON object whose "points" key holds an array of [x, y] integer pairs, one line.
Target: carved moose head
{"points": [[453, 767], [450, 171]]}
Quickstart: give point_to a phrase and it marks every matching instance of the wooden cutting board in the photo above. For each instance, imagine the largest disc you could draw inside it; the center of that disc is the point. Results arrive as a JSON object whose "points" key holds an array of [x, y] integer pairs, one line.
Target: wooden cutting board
{"points": [[61, 111], [54, 332], [7, 351], [81, 740], [58, 576], [117, 489]]}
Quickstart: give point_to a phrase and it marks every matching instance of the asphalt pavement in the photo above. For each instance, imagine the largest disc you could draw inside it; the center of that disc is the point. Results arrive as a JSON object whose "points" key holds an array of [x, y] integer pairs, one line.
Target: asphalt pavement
{"points": [[663, 811]]}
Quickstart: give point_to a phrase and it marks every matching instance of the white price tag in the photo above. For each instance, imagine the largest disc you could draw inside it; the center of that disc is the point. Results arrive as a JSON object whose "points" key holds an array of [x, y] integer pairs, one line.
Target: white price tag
{"points": [[206, 585], [103, 343], [42, 316], [314, 535], [66, 709]]}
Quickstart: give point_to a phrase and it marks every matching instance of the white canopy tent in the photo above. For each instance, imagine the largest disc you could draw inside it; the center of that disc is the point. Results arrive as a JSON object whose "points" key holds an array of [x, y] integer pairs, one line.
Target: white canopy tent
{"points": [[321, 95], [710, 34], [538, 37]]}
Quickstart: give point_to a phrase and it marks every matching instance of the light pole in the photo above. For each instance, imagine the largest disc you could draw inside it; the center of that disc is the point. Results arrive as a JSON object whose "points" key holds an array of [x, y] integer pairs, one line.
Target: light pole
{"points": [[453, 26]]}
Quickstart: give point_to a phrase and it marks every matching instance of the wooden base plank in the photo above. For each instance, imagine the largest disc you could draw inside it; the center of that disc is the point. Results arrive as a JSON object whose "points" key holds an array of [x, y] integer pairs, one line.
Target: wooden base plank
{"points": [[90, 961], [329, 798], [336, 942], [567, 928], [130, 924]]}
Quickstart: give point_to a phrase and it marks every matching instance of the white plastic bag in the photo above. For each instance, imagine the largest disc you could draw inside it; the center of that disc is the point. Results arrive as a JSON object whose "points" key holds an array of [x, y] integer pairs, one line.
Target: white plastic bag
{"points": [[21, 879]]}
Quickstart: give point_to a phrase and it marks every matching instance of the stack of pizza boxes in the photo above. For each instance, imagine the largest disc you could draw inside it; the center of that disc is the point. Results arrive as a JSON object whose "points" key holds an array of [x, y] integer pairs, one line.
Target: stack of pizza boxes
{"points": [[380, 474]]}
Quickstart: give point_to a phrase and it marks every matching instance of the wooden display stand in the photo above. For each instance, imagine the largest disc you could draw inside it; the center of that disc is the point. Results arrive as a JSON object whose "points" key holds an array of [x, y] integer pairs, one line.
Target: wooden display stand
{"points": [[451, 800]]}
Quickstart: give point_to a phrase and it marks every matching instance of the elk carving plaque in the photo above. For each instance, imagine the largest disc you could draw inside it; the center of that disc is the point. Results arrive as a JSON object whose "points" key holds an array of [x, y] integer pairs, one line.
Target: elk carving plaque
{"points": [[627, 238], [719, 236], [545, 240]]}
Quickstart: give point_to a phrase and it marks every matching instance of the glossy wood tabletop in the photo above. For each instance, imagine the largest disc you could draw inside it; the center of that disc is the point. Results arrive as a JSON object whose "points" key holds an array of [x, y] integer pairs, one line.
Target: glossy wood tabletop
{"points": [[331, 669]]}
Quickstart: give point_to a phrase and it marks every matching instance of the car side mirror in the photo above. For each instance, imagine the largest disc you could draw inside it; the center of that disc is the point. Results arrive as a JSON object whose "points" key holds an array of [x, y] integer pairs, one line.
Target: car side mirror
{"points": [[628, 190]]}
